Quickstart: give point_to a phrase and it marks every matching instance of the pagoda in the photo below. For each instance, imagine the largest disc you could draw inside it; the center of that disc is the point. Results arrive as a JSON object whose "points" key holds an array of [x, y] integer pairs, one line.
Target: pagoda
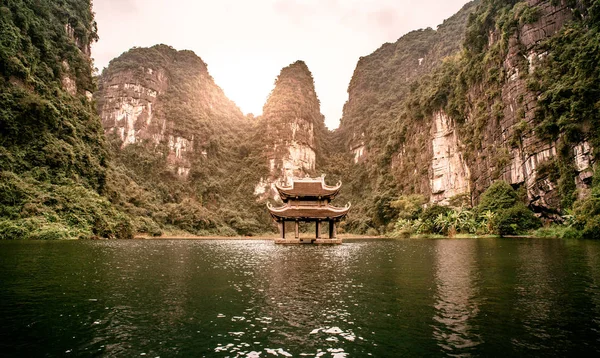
{"points": [[308, 200]]}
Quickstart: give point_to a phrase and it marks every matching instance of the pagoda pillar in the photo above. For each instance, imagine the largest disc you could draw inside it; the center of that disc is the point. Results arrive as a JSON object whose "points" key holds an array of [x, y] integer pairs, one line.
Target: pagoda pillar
{"points": [[318, 227], [296, 229], [282, 228], [331, 229]]}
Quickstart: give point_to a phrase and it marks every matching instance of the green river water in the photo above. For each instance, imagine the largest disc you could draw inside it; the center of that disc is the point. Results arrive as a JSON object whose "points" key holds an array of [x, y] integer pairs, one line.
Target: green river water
{"points": [[379, 298]]}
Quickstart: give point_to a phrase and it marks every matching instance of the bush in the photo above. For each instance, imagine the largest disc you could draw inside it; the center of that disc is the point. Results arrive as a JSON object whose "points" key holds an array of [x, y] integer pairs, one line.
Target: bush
{"points": [[559, 232], [11, 230], [592, 228], [52, 232], [372, 232], [500, 195], [410, 206], [144, 224], [429, 217], [227, 231], [516, 220]]}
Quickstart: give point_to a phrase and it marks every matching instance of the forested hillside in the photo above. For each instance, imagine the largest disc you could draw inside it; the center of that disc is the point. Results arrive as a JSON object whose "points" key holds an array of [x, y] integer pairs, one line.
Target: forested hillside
{"points": [[376, 120], [517, 103], [53, 154], [185, 157]]}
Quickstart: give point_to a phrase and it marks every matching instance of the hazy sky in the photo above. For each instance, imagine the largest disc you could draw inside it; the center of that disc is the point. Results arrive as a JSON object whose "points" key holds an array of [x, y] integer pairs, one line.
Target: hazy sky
{"points": [[246, 42]]}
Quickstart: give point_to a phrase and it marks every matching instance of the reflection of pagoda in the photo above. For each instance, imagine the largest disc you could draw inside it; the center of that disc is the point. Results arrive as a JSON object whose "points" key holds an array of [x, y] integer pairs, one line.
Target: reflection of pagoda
{"points": [[308, 200]]}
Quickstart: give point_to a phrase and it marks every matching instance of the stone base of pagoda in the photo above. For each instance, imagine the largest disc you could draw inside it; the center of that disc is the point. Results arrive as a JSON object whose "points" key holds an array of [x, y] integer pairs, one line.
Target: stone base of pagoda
{"points": [[335, 241]]}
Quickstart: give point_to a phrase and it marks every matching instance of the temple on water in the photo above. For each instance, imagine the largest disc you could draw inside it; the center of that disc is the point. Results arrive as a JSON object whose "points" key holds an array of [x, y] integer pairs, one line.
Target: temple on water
{"points": [[308, 200]]}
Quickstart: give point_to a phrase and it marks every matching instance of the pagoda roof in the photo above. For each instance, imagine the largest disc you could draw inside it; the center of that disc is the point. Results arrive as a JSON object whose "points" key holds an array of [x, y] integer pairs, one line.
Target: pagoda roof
{"points": [[308, 212], [308, 187]]}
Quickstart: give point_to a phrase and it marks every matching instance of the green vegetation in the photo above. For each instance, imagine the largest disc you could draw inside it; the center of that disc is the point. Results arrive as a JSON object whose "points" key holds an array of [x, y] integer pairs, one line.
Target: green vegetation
{"points": [[212, 200], [53, 157], [226, 160], [500, 212]]}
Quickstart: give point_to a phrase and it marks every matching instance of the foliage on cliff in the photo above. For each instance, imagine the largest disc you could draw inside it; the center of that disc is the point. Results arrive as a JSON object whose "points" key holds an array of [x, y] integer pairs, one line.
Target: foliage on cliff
{"points": [[394, 122], [378, 115], [225, 161], [53, 157], [500, 212]]}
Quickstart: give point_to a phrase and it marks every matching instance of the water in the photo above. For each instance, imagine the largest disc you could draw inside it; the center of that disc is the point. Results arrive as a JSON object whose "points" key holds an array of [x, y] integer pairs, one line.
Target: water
{"points": [[485, 297]]}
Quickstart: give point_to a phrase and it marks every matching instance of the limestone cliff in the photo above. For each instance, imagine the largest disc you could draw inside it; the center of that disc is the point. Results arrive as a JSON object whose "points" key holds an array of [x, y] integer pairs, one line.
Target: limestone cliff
{"points": [[185, 157], [505, 143], [512, 136], [487, 96], [382, 80], [292, 122], [160, 95]]}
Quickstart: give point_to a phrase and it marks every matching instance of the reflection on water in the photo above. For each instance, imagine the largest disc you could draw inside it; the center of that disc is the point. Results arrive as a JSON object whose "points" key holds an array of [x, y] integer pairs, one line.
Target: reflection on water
{"points": [[255, 299], [535, 293], [455, 305], [299, 299], [592, 257]]}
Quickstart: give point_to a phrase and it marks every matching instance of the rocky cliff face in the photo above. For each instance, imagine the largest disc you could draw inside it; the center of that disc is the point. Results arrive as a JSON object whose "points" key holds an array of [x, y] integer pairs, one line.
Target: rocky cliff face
{"points": [[524, 151], [170, 99], [479, 106], [127, 104], [508, 145], [486, 97], [450, 174], [291, 120], [382, 80]]}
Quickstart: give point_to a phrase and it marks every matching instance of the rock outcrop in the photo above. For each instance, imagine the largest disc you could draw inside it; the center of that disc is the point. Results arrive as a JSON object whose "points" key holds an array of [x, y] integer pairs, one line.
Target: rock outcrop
{"points": [[451, 175], [382, 79], [127, 102], [492, 137], [158, 96], [291, 119]]}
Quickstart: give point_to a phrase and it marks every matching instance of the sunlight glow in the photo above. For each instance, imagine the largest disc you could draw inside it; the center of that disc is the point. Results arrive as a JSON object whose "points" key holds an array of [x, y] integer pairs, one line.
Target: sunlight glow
{"points": [[247, 43]]}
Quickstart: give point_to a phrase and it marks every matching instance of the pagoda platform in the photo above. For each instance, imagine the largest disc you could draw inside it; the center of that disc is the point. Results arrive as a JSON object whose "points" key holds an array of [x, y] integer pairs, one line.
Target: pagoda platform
{"points": [[309, 241]]}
